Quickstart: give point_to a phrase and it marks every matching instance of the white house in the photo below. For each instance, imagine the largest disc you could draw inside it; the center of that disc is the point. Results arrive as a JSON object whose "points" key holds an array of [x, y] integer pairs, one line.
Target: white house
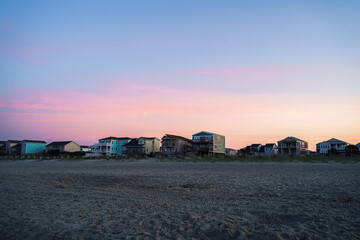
{"points": [[324, 147], [270, 149], [84, 148]]}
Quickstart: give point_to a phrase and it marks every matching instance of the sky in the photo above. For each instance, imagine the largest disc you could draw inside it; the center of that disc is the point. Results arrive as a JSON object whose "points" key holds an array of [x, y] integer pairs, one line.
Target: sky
{"points": [[254, 71]]}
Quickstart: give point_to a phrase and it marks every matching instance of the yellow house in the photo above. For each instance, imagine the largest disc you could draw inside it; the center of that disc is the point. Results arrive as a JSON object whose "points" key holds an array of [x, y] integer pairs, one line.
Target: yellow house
{"points": [[142, 145], [64, 146]]}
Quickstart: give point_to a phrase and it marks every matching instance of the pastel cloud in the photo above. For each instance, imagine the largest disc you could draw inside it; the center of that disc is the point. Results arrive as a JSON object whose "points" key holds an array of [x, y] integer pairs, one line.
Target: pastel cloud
{"points": [[243, 118], [320, 77]]}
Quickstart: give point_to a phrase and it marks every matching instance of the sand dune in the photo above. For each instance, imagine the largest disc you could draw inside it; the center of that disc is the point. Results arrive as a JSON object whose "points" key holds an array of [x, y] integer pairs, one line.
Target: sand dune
{"points": [[153, 200]]}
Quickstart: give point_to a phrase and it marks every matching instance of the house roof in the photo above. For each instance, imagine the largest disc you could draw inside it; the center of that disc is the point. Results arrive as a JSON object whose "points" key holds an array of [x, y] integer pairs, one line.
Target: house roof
{"points": [[206, 133], [133, 143], [291, 139], [230, 149], [333, 140], [61, 143], [150, 138], [84, 146], [18, 145], [13, 141], [255, 145], [34, 141], [175, 136], [117, 138], [270, 144]]}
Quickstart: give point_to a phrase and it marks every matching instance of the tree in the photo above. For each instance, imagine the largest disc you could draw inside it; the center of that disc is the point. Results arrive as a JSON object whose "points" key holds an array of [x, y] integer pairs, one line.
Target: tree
{"points": [[351, 149]]}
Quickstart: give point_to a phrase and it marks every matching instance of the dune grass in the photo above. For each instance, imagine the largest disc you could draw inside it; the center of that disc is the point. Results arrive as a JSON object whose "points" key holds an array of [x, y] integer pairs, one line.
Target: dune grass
{"points": [[311, 159]]}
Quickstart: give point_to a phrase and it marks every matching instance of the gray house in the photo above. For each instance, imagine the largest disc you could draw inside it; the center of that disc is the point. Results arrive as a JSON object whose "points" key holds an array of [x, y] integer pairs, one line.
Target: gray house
{"points": [[292, 146]]}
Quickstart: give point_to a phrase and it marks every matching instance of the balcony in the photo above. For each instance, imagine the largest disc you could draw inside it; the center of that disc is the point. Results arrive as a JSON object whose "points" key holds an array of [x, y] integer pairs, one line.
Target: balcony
{"points": [[202, 140], [104, 144]]}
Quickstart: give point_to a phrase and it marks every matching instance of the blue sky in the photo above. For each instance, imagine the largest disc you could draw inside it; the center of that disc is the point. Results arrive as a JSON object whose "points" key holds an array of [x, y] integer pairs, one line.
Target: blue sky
{"points": [[311, 48]]}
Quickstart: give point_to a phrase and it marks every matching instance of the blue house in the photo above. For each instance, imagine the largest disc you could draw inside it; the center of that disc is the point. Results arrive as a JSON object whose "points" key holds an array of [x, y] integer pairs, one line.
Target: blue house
{"points": [[32, 147]]}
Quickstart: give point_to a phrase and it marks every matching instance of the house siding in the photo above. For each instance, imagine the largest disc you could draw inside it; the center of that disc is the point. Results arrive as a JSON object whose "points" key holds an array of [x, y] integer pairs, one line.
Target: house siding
{"points": [[325, 147], [292, 147], [219, 144], [32, 148], [208, 143], [72, 147]]}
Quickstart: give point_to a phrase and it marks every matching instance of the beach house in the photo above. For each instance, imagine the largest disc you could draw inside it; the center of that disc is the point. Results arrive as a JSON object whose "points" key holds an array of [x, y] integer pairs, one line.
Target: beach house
{"points": [[270, 149], [358, 146], [110, 146], [84, 148], [207, 143], [256, 149], [63, 146], [173, 144], [292, 146], [9, 147], [231, 152], [142, 145], [2, 147], [32, 147], [332, 144]]}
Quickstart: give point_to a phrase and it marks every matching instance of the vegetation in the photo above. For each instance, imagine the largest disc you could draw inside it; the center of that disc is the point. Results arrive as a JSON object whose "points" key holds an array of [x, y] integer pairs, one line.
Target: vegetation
{"points": [[179, 158], [313, 159]]}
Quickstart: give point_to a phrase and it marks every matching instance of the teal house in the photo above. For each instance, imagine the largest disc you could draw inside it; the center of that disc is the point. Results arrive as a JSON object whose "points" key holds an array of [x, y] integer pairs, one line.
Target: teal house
{"points": [[32, 147], [110, 146]]}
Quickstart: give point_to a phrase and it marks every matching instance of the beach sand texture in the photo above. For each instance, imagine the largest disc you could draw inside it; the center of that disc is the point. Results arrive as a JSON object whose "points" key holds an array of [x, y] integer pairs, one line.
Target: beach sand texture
{"points": [[167, 200]]}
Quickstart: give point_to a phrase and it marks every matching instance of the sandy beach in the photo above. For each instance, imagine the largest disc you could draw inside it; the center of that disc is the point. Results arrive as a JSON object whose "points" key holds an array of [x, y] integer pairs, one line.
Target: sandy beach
{"points": [[166, 200]]}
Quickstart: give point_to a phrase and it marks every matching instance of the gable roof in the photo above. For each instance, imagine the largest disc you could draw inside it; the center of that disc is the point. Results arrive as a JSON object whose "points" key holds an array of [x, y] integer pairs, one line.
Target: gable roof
{"points": [[333, 140], [255, 145], [150, 138], [133, 143], [115, 138], [34, 141], [291, 139], [176, 136], [206, 133], [61, 143], [230, 149], [13, 141], [18, 145], [270, 145]]}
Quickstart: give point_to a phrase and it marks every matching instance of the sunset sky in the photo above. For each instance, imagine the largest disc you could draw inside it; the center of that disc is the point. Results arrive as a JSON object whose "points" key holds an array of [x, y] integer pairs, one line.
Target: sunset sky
{"points": [[254, 71]]}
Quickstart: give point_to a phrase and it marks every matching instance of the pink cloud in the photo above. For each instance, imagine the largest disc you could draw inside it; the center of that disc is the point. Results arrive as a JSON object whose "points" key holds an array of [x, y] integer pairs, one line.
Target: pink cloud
{"points": [[243, 118]]}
